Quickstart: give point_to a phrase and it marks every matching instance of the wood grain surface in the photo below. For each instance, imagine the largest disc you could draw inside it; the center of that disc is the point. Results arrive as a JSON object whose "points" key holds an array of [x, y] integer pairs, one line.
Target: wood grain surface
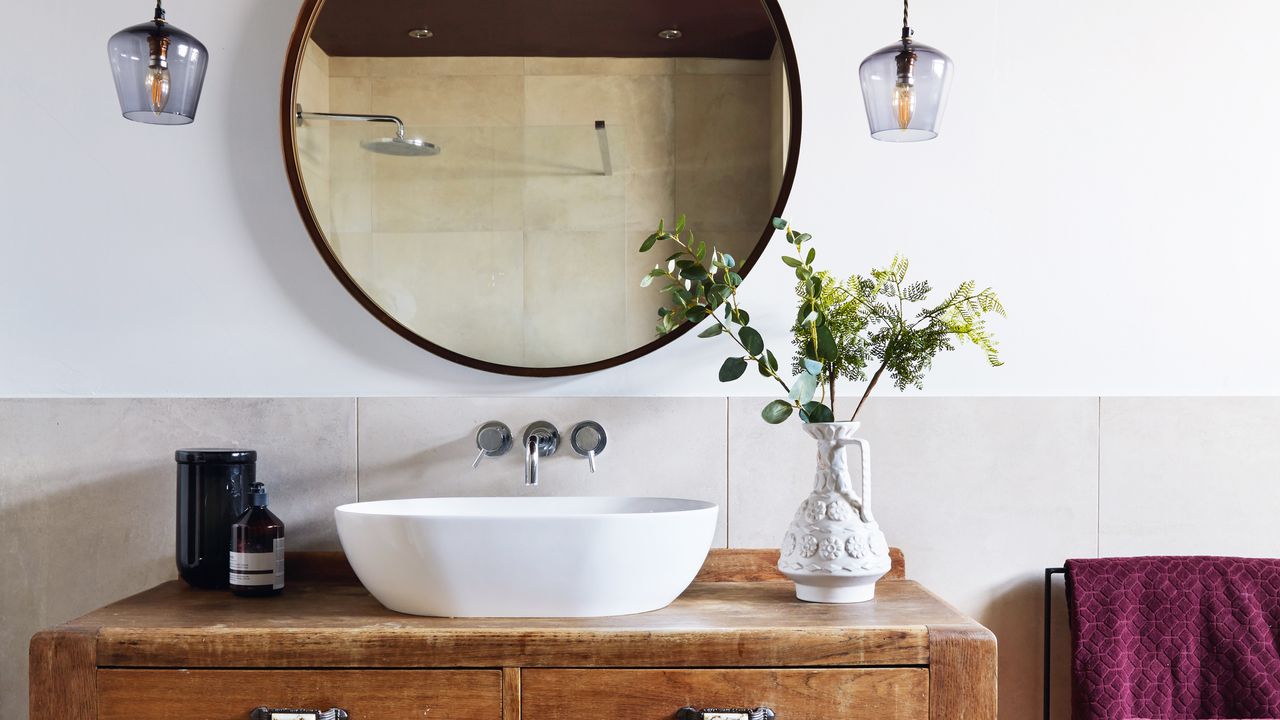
{"points": [[326, 642], [365, 694], [328, 625], [962, 672], [62, 675], [866, 694]]}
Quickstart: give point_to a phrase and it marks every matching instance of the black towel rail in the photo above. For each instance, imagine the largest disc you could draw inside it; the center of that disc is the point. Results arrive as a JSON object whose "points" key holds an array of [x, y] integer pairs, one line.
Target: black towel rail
{"points": [[1048, 628]]}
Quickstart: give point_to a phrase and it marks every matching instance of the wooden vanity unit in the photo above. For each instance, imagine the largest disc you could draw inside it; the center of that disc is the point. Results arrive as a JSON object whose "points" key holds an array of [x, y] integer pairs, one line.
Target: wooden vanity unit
{"points": [[737, 638]]}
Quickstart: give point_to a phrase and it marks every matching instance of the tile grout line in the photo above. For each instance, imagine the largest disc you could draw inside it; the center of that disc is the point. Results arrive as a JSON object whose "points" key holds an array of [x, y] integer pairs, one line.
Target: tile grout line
{"points": [[1097, 518], [356, 419], [727, 482]]}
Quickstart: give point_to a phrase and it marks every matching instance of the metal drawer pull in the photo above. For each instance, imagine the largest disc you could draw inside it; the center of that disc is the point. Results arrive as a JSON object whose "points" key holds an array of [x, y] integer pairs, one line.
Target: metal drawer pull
{"points": [[266, 713], [760, 713]]}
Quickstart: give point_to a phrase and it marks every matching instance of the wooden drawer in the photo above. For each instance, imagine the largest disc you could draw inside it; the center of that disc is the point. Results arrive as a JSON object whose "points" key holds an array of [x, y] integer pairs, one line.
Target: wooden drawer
{"points": [[847, 694], [366, 694]]}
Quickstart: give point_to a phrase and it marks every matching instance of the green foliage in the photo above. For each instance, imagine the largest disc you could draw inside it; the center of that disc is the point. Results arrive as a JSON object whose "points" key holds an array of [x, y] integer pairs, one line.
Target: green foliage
{"points": [[702, 282], [841, 327]]}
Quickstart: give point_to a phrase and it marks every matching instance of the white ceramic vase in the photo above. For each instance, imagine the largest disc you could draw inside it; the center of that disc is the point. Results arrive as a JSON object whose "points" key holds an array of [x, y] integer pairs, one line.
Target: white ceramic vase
{"points": [[834, 550]]}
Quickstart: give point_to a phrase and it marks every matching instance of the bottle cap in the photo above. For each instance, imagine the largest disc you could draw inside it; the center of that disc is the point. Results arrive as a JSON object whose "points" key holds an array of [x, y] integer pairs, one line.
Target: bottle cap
{"points": [[257, 495]]}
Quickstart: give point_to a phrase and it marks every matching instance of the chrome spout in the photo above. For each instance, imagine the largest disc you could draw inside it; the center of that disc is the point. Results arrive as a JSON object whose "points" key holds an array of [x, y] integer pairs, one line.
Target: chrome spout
{"points": [[531, 455], [540, 439]]}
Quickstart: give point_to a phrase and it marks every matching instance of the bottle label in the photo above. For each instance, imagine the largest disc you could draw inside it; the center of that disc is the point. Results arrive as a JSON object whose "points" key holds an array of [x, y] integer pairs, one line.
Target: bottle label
{"points": [[260, 568]]}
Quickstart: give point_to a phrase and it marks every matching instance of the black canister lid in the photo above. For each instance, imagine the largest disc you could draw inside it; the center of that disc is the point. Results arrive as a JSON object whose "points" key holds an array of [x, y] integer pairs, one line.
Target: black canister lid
{"points": [[222, 456]]}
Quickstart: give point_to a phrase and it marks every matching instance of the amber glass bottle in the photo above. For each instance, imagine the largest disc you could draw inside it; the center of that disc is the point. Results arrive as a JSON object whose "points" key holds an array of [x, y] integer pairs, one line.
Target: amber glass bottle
{"points": [[257, 548]]}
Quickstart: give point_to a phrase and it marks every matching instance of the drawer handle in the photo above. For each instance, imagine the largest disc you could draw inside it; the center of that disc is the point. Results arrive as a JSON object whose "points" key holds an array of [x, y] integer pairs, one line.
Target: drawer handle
{"points": [[266, 713], [760, 713]]}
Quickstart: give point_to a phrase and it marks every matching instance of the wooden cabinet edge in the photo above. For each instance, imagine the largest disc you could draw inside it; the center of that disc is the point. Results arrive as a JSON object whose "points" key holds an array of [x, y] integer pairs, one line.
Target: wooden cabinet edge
{"points": [[511, 693], [963, 672], [63, 674], [384, 648]]}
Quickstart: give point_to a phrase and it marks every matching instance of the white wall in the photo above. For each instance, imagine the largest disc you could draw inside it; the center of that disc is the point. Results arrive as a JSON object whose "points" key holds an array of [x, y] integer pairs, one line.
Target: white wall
{"points": [[1107, 166]]}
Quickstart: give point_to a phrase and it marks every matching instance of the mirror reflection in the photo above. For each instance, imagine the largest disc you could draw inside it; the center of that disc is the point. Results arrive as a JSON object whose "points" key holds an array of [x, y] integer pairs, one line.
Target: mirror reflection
{"points": [[485, 174]]}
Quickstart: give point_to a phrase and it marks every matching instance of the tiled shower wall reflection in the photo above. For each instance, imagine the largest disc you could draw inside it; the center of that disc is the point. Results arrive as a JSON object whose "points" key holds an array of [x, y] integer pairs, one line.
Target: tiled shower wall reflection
{"points": [[981, 493], [519, 191]]}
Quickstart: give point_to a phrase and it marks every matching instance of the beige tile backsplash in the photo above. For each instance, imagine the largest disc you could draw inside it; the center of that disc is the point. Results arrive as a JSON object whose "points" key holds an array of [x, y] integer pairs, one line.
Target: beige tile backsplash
{"points": [[87, 497], [981, 493]]}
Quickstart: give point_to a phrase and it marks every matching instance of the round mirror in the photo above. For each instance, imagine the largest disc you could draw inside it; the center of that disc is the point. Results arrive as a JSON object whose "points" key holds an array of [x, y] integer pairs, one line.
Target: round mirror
{"points": [[480, 174]]}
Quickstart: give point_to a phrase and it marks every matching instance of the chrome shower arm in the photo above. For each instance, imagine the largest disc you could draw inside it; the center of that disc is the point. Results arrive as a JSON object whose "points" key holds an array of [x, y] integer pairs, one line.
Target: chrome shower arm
{"points": [[301, 116]]}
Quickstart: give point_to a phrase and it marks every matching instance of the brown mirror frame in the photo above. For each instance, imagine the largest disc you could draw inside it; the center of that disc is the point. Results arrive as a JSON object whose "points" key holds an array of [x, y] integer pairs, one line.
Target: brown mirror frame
{"points": [[307, 16]]}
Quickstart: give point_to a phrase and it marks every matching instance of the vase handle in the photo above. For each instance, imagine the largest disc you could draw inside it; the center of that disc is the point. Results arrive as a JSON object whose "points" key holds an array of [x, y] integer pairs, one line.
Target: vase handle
{"points": [[864, 449]]}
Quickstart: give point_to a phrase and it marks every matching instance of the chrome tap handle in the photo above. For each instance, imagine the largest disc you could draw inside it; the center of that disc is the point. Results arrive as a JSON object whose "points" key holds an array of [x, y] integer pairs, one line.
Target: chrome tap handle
{"points": [[588, 440], [541, 439], [492, 440]]}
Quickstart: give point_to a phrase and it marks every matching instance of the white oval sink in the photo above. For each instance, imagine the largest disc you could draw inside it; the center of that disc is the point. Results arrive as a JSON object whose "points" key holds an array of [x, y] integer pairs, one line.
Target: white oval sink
{"points": [[526, 556]]}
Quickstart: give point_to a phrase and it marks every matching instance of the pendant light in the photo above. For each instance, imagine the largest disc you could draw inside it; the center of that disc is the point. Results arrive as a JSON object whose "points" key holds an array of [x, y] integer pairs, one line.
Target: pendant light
{"points": [[904, 87], [159, 71]]}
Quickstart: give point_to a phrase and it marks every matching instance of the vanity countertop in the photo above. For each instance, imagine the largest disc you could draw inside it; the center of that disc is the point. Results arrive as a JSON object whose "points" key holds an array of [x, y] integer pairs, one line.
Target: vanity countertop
{"points": [[325, 618], [739, 613]]}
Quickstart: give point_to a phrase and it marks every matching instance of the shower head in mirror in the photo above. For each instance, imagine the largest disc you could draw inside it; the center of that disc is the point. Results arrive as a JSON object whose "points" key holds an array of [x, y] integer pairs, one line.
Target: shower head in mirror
{"points": [[399, 145]]}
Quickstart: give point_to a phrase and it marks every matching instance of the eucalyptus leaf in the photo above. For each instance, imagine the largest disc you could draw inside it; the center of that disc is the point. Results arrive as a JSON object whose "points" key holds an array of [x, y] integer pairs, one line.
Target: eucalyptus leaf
{"points": [[826, 343], [773, 361], [811, 366], [790, 261], [776, 412], [815, 412], [752, 340], [728, 260], [733, 279], [695, 272], [732, 369], [680, 223], [778, 224], [649, 242], [803, 388], [712, 331]]}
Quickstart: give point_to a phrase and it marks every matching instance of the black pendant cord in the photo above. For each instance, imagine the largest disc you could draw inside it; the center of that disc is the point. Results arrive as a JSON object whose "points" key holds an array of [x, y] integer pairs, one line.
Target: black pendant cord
{"points": [[159, 12], [906, 27]]}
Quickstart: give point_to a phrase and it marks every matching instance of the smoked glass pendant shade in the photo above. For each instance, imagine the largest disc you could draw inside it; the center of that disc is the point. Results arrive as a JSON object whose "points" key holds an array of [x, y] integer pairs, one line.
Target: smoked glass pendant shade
{"points": [[159, 71], [904, 87]]}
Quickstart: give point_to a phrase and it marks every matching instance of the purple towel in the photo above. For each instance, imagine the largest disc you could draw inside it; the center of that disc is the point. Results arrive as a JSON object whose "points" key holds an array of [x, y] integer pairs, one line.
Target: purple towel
{"points": [[1174, 638]]}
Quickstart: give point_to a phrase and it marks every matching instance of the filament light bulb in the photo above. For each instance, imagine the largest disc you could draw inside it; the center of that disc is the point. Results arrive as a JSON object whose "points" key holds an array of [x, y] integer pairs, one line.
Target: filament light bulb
{"points": [[904, 103], [157, 85], [157, 80], [904, 90]]}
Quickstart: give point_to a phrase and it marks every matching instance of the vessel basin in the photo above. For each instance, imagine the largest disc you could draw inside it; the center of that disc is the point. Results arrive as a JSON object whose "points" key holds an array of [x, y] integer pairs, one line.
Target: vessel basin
{"points": [[527, 556]]}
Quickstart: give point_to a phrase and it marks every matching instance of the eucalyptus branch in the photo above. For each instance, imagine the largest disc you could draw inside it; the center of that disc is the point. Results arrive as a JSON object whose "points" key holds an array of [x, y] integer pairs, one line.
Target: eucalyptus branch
{"points": [[839, 326]]}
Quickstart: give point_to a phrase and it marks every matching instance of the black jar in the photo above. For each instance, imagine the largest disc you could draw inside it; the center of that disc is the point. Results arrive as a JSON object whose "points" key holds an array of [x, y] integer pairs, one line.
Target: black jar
{"points": [[212, 486]]}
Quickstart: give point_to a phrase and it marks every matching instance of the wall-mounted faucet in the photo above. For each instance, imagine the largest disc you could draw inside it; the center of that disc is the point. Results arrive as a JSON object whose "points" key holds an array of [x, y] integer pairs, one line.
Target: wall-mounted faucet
{"points": [[541, 439]]}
